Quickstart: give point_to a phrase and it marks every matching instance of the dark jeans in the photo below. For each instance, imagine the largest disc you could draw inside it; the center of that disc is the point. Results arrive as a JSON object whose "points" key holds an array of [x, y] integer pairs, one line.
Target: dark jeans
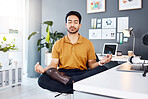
{"points": [[48, 83]]}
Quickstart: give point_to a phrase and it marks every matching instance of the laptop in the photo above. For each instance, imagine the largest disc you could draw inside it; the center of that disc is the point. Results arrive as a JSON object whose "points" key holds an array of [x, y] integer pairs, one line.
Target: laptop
{"points": [[130, 67], [110, 48]]}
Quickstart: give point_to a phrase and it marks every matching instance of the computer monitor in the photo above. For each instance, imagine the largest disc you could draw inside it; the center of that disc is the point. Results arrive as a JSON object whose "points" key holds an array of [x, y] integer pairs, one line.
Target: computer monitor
{"points": [[144, 54], [110, 48]]}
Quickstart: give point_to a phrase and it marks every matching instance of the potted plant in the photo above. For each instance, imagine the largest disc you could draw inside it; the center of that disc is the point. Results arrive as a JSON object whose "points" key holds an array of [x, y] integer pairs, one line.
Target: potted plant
{"points": [[5, 46], [48, 41]]}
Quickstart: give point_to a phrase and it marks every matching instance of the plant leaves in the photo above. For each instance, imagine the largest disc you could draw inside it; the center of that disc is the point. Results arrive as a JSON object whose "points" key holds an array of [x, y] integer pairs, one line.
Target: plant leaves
{"points": [[48, 37], [33, 33], [47, 44], [50, 47], [13, 45], [41, 45], [5, 49], [47, 29], [52, 35], [48, 23], [60, 34], [4, 38], [39, 48], [55, 33], [39, 41], [48, 34]]}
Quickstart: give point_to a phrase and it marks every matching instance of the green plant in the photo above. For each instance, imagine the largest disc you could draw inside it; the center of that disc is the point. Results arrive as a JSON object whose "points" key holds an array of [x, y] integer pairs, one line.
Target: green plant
{"points": [[7, 46], [50, 38]]}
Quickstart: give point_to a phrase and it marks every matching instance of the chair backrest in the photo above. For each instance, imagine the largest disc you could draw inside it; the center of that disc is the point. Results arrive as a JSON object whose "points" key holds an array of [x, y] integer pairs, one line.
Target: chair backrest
{"points": [[97, 59]]}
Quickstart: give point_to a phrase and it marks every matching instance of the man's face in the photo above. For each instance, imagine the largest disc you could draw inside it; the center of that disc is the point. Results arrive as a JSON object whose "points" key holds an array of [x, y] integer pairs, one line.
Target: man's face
{"points": [[72, 24]]}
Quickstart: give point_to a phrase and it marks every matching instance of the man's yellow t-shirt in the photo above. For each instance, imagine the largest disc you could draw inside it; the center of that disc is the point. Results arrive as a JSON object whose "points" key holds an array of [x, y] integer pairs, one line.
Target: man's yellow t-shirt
{"points": [[73, 56]]}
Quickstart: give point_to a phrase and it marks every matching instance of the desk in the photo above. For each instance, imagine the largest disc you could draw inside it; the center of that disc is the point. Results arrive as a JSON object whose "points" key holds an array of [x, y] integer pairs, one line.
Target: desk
{"points": [[116, 58], [112, 84]]}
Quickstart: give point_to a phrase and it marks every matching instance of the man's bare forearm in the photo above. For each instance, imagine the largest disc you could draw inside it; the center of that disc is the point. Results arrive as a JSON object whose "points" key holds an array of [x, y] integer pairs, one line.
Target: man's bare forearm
{"points": [[54, 64], [93, 65], [50, 66]]}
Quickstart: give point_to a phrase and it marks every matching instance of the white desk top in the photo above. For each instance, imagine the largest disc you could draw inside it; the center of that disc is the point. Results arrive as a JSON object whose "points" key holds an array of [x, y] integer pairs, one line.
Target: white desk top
{"points": [[131, 85], [116, 58]]}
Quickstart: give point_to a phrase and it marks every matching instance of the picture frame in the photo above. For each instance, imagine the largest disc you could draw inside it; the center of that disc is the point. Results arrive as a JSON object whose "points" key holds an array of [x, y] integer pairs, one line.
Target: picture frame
{"points": [[130, 4], [95, 6]]}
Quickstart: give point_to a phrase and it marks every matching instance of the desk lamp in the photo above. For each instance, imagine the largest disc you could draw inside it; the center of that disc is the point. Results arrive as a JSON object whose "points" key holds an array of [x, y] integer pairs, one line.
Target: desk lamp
{"points": [[137, 60], [127, 33]]}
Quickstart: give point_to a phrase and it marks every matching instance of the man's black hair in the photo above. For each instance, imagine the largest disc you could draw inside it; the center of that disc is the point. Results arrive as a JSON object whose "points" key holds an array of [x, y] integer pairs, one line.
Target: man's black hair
{"points": [[73, 13]]}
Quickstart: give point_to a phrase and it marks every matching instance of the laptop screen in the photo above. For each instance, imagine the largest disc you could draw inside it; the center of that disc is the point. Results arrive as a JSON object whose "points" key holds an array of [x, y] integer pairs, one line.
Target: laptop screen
{"points": [[110, 48]]}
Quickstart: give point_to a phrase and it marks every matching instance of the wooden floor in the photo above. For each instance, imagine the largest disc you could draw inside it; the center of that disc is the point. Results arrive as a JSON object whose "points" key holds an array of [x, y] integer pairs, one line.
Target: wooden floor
{"points": [[28, 90]]}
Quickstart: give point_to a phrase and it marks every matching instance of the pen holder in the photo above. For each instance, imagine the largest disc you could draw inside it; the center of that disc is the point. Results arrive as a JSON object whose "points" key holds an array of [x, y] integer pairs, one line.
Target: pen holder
{"points": [[119, 53]]}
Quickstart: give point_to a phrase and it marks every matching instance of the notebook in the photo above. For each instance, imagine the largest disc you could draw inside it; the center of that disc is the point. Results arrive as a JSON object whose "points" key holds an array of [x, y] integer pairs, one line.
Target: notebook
{"points": [[110, 48]]}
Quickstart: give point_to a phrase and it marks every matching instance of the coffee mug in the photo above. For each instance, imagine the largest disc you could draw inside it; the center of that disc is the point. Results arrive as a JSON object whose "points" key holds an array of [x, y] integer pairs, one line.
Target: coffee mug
{"points": [[130, 53]]}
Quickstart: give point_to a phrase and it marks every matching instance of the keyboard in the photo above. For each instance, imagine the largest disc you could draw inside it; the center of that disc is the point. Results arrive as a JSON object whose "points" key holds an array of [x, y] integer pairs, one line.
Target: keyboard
{"points": [[135, 67]]}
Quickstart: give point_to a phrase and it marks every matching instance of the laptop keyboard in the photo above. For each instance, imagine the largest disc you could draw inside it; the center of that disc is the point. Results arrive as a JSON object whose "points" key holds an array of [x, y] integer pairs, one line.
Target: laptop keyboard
{"points": [[137, 67]]}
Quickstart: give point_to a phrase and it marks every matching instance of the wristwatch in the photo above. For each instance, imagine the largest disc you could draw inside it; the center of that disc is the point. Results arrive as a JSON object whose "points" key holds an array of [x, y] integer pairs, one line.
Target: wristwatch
{"points": [[100, 63]]}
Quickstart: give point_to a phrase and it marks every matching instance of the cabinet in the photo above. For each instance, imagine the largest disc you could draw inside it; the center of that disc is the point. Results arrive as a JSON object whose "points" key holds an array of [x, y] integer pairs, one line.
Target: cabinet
{"points": [[10, 76], [11, 70], [13, 76], [1, 79], [19, 75], [6, 81]]}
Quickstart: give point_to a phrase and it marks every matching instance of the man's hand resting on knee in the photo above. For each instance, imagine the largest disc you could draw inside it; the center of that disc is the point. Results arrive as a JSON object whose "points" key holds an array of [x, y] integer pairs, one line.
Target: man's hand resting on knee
{"points": [[54, 63], [51, 71], [106, 59], [39, 68], [92, 63]]}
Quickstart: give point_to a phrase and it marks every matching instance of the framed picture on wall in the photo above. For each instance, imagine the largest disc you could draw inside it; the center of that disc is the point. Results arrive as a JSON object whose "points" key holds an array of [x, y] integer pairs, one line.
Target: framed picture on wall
{"points": [[94, 6], [130, 4]]}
